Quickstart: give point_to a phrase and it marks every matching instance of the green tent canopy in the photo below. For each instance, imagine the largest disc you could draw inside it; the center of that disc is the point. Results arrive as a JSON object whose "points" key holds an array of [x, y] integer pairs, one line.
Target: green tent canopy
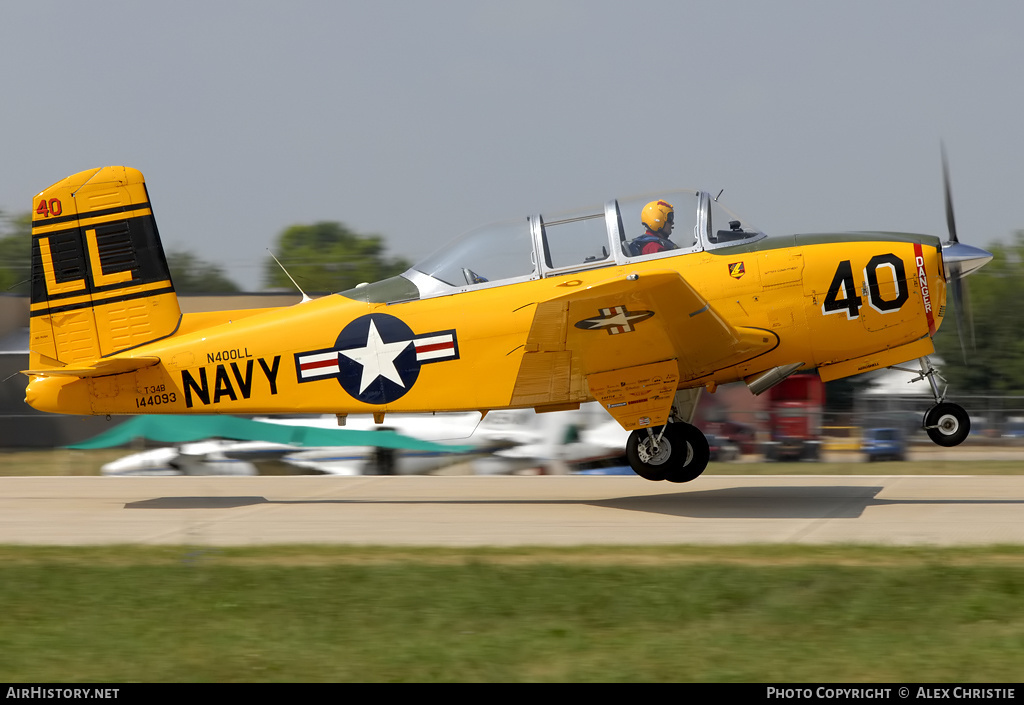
{"points": [[186, 429]]}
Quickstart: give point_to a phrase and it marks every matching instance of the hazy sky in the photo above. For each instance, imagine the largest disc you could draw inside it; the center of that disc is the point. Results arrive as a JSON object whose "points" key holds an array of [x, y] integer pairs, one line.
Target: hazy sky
{"points": [[421, 120]]}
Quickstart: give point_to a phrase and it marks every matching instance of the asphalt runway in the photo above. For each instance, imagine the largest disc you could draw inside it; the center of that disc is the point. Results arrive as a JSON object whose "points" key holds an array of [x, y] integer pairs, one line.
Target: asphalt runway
{"points": [[512, 511]]}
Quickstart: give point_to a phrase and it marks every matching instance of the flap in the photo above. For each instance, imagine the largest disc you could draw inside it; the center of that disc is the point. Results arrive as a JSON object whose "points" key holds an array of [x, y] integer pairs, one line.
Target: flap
{"points": [[637, 397]]}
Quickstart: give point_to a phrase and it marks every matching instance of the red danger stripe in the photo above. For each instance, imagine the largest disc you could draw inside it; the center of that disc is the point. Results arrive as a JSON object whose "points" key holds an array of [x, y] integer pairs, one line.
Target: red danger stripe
{"points": [[922, 281]]}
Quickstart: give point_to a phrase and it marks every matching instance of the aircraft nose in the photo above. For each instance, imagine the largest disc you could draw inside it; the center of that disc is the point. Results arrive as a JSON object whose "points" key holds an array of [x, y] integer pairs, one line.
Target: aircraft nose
{"points": [[961, 259]]}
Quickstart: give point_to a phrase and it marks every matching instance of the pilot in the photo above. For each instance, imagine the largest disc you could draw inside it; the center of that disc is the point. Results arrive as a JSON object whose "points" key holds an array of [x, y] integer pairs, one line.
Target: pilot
{"points": [[659, 218]]}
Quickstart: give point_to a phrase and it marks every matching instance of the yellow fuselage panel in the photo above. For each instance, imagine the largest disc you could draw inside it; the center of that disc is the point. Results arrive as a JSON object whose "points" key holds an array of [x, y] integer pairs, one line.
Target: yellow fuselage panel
{"points": [[816, 302], [874, 296]]}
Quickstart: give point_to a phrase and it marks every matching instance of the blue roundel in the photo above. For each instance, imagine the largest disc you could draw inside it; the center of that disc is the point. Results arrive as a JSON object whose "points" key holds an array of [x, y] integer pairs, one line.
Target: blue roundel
{"points": [[377, 358]]}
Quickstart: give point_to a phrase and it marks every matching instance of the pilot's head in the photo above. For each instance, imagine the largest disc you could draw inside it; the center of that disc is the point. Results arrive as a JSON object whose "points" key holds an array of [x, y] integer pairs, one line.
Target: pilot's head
{"points": [[659, 217]]}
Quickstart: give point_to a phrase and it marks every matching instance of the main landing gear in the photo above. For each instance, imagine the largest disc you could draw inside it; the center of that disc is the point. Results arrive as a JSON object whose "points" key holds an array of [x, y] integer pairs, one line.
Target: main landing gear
{"points": [[947, 424], [678, 452]]}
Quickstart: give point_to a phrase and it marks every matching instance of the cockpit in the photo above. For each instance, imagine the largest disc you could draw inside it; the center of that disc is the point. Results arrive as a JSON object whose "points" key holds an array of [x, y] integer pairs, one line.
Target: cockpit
{"points": [[547, 245]]}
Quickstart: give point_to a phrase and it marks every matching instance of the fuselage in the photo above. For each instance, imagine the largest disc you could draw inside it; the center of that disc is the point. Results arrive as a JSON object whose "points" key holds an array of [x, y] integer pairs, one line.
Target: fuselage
{"points": [[843, 304]]}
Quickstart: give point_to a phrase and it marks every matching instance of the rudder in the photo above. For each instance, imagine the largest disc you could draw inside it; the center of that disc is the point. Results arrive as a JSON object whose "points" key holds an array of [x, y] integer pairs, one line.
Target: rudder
{"points": [[100, 281]]}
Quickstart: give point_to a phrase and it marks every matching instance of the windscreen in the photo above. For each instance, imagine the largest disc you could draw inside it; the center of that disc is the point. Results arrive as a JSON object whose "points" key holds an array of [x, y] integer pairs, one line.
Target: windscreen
{"points": [[491, 253]]}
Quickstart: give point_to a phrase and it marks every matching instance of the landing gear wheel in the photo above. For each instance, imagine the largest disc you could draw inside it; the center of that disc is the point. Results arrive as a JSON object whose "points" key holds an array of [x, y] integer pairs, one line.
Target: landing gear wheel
{"points": [[680, 455], [647, 459], [947, 424]]}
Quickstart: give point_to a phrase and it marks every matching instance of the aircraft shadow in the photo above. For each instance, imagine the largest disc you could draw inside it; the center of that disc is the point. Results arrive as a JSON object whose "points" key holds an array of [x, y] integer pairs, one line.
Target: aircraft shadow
{"points": [[794, 502], [196, 503], [756, 503]]}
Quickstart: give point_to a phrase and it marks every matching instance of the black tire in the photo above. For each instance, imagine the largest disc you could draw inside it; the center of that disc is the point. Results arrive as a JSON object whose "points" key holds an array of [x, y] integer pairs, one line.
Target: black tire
{"points": [[682, 455], [947, 424], [655, 467]]}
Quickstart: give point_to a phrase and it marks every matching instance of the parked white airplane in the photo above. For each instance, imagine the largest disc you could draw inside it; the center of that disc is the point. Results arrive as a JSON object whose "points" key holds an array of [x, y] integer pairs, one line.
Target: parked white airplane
{"points": [[506, 441], [202, 458], [553, 443]]}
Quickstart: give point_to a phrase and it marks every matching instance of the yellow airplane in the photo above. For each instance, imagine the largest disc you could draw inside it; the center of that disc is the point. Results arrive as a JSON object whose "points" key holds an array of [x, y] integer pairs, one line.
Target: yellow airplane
{"points": [[548, 312]]}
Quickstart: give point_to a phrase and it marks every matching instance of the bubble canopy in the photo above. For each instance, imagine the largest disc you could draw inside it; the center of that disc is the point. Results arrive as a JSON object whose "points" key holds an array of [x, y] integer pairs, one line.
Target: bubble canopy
{"points": [[546, 245]]}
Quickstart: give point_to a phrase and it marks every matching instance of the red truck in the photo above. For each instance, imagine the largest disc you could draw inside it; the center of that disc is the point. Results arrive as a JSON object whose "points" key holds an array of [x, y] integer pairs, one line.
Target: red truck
{"points": [[794, 418]]}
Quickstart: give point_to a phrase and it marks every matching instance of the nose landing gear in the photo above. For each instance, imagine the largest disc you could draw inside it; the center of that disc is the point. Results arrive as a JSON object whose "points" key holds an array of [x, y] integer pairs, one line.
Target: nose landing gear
{"points": [[947, 424]]}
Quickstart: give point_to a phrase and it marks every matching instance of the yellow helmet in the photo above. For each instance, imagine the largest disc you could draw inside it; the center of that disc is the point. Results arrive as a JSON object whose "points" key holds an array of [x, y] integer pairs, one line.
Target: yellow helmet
{"points": [[656, 214]]}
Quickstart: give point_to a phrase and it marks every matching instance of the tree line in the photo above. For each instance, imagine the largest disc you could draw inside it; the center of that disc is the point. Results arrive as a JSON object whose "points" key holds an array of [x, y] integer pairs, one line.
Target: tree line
{"points": [[323, 257]]}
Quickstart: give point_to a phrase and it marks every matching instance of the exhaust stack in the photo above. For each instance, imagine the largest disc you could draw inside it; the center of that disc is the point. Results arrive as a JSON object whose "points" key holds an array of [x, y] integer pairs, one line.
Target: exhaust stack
{"points": [[758, 384]]}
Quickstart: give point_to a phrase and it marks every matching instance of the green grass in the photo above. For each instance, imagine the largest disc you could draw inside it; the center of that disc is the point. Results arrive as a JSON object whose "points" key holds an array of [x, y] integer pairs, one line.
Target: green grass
{"points": [[741, 614], [19, 463]]}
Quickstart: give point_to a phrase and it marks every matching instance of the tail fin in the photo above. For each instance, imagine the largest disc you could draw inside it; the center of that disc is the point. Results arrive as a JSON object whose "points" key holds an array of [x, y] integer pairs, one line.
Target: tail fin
{"points": [[100, 282]]}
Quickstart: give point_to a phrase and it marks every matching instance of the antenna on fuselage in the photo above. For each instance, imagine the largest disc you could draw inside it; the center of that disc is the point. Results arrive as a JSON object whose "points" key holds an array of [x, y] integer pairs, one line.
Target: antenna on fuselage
{"points": [[304, 297], [719, 194]]}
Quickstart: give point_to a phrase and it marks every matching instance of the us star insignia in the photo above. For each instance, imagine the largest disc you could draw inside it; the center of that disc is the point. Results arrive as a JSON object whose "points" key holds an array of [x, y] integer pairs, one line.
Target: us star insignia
{"points": [[377, 358], [617, 319]]}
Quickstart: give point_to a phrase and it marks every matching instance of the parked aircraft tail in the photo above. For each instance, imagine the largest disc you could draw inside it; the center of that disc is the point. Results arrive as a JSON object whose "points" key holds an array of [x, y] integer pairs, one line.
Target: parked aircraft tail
{"points": [[100, 282]]}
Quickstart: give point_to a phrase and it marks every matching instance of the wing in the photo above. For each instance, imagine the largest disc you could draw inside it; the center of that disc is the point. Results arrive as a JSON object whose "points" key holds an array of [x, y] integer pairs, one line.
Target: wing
{"points": [[630, 342]]}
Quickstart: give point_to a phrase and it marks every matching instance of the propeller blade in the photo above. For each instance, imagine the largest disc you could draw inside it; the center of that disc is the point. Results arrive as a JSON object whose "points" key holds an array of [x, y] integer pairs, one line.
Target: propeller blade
{"points": [[968, 313], [959, 260], [964, 317], [950, 220]]}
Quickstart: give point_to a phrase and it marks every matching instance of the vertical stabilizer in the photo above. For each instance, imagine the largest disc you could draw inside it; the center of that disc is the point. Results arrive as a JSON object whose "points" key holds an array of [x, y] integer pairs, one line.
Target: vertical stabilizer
{"points": [[100, 282]]}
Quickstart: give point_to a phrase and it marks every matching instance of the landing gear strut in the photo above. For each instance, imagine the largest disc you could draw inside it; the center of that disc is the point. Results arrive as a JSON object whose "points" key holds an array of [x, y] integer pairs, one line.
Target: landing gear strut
{"points": [[678, 452], [947, 424]]}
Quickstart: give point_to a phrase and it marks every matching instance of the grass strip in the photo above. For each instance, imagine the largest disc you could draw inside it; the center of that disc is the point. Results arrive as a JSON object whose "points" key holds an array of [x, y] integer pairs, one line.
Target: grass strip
{"points": [[615, 614]]}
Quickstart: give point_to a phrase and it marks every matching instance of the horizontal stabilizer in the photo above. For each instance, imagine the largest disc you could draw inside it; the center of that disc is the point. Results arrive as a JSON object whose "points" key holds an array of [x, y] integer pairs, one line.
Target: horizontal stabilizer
{"points": [[99, 368]]}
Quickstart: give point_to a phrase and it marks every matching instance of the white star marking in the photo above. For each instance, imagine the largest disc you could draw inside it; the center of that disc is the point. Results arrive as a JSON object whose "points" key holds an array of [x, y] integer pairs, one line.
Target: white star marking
{"points": [[621, 319], [377, 359]]}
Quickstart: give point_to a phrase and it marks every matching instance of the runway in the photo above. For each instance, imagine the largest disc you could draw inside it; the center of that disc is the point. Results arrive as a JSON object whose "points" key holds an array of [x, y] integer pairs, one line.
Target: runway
{"points": [[512, 511]]}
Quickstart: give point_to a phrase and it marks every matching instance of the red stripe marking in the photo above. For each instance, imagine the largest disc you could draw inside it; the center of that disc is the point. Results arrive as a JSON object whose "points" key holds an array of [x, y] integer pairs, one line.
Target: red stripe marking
{"points": [[317, 365], [926, 296], [435, 346]]}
